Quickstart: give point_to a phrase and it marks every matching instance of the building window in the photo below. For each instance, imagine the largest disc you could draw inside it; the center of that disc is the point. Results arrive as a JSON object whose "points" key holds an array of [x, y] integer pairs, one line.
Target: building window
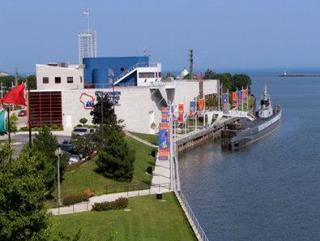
{"points": [[80, 79], [159, 74], [57, 80], [45, 80], [146, 75], [69, 80]]}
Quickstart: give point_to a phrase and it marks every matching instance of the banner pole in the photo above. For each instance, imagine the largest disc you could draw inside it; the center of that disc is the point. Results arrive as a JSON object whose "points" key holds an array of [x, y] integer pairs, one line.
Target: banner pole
{"points": [[9, 127]]}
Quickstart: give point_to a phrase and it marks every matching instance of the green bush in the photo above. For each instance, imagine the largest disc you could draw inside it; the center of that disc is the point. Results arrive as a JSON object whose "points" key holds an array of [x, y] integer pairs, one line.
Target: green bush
{"points": [[120, 203], [74, 198], [154, 152], [24, 128], [149, 170]]}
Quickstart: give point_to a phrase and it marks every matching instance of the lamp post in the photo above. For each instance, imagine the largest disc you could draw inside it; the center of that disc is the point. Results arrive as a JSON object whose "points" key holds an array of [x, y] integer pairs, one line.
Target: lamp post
{"points": [[58, 153]]}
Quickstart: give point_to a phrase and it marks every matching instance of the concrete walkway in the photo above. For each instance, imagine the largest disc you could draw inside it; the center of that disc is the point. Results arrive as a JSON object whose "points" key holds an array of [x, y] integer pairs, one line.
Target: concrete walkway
{"points": [[87, 206]]}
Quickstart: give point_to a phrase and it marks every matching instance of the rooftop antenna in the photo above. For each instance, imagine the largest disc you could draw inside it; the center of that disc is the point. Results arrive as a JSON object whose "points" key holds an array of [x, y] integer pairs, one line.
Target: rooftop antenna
{"points": [[87, 14], [191, 63]]}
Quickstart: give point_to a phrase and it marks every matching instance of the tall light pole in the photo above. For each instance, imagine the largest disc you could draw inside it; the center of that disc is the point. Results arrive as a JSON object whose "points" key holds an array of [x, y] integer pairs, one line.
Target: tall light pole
{"points": [[58, 153]]}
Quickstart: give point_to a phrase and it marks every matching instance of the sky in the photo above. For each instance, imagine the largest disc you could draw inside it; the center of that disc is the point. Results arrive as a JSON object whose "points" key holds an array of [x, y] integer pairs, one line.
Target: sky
{"points": [[225, 34]]}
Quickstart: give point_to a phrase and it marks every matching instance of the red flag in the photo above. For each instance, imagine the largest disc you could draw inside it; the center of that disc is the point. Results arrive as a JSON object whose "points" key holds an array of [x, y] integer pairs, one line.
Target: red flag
{"points": [[15, 96]]}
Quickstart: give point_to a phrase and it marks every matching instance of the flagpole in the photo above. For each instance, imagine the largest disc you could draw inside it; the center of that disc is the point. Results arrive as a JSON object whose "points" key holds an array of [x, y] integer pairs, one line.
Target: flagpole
{"points": [[29, 122], [196, 117], [242, 98], [247, 91], [9, 127]]}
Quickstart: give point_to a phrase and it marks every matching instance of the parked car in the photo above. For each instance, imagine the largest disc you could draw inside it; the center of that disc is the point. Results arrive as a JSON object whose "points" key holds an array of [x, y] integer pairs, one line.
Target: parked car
{"points": [[80, 131], [22, 113], [67, 147], [74, 159]]}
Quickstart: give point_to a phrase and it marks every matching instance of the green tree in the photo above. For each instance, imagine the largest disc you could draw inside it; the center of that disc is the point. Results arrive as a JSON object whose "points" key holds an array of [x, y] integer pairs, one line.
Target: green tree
{"points": [[13, 123], [32, 81], [210, 74], [44, 146], [83, 121], [115, 159], [22, 192], [103, 112], [226, 81], [5, 155], [241, 81]]}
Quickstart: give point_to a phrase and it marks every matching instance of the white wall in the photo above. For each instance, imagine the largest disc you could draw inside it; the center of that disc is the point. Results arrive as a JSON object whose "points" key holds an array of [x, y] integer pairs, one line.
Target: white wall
{"points": [[136, 105], [55, 71]]}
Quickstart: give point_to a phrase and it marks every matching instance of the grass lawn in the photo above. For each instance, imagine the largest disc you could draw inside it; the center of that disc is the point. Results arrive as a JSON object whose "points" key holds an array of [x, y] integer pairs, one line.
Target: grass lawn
{"points": [[149, 219], [76, 181], [147, 137]]}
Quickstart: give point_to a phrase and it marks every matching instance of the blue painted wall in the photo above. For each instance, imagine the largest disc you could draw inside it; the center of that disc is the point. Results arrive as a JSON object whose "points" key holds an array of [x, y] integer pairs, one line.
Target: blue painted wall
{"points": [[96, 70]]}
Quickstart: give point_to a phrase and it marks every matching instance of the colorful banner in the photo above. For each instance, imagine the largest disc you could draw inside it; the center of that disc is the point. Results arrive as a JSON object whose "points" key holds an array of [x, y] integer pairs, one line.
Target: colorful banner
{"points": [[225, 102], [234, 99], [192, 109], [3, 122], [240, 96], [245, 94], [164, 142], [200, 105], [165, 115], [200, 109], [181, 113]]}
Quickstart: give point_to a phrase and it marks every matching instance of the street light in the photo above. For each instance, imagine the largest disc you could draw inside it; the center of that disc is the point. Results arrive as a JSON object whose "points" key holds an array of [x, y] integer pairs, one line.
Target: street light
{"points": [[58, 153]]}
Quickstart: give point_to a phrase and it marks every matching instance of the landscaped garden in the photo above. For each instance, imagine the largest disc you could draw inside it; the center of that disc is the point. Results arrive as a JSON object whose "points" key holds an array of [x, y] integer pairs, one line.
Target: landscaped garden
{"points": [[84, 176], [146, 218]]}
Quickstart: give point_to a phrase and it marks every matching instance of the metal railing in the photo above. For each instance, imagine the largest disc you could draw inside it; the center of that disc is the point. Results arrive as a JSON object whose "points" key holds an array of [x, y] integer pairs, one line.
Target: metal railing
{"points": [[201, 233], [194, 223], [138, 65]]}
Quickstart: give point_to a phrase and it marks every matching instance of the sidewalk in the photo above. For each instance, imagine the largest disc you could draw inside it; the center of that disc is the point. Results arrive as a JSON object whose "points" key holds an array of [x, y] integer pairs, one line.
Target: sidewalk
{"points": [[87, 206]]}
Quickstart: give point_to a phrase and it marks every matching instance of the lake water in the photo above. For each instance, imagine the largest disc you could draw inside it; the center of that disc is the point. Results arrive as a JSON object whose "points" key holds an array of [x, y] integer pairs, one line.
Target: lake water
{"points": [[270, 190]]}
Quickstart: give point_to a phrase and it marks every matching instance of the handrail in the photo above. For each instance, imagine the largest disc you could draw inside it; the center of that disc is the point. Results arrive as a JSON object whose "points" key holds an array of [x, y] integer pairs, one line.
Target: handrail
{"points": [[137, 65], [196, 226]]}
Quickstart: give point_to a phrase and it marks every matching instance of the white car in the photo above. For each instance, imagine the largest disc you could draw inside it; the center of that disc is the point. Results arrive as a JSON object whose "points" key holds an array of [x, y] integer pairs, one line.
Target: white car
{"points": [[74, 159], [81, 131]]}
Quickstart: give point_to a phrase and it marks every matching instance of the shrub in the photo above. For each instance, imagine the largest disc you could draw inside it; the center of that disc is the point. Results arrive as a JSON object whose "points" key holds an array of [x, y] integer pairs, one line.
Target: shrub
{"points": [[24, 128], [120, 203], [88, 193], [153, 152], [149, 170], [83, 121], [74, 198]]}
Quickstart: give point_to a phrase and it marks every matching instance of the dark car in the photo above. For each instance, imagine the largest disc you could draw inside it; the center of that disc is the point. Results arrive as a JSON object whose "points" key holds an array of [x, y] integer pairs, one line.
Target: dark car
{"points": [[67, 147]]}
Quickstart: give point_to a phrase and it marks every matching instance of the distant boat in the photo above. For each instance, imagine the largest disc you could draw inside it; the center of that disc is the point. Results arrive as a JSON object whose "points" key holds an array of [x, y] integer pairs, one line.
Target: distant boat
{"points": [[285, 74]]}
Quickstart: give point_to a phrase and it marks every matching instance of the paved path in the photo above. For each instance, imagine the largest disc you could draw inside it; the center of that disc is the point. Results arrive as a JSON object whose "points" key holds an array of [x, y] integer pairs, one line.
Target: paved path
{"points": [[140, 140], [87, 206]]}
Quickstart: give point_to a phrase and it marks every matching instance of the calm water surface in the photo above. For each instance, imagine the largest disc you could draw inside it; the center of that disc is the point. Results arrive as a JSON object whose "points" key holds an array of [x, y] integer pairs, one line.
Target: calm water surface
{"points": [[270, 190]]}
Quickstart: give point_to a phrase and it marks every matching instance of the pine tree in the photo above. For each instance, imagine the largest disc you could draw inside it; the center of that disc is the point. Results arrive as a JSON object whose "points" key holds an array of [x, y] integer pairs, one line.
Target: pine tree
{"points": [[103, 111], [115, 159]]}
